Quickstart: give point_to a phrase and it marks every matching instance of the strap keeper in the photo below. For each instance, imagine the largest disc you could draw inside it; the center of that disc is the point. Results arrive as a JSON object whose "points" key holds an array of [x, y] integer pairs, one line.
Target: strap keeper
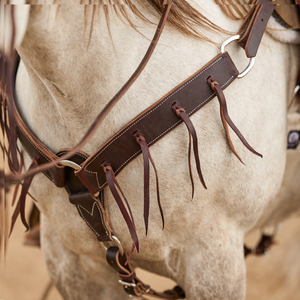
{"points": [[177, 109]]}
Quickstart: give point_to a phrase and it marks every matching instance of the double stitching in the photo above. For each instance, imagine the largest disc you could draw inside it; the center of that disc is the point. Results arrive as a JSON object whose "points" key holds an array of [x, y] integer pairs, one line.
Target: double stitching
{"points": [[92, 213]]}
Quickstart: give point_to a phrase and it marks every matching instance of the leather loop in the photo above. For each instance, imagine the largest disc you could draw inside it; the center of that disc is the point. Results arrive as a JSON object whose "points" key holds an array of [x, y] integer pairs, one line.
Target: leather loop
{"points": [[180, 112], [146, 158], [227, 120]]}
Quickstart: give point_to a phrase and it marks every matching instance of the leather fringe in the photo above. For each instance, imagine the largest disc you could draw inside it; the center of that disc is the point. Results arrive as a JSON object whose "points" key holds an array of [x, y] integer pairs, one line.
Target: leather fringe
{"points": [[147, 157], [128, 217], [226, 119], [181, 113]]}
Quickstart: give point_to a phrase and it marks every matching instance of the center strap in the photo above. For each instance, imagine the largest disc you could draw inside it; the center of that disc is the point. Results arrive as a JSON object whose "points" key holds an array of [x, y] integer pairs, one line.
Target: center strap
{"points": [[133, 285]]}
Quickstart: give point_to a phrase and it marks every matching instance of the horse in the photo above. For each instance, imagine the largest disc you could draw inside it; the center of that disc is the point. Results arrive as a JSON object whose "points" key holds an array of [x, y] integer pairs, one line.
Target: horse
{"points": [[75, 57]]}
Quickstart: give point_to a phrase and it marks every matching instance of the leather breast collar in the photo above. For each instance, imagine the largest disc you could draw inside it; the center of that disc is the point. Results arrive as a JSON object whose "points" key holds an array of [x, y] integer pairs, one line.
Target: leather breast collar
{"points": [[84, 178]]}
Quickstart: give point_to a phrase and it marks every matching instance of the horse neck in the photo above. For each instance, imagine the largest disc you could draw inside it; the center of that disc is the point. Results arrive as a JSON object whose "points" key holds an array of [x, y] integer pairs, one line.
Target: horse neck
{"points": [[72, 74]]}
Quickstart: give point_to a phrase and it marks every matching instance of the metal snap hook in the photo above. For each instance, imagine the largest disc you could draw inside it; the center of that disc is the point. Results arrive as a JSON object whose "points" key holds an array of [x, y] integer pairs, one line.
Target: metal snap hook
{"points": [[252, 59]]}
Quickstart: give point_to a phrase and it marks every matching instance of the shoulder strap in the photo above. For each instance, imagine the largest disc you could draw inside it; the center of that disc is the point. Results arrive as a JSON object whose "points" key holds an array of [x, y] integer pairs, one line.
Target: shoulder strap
{"points": [[254, 25]]}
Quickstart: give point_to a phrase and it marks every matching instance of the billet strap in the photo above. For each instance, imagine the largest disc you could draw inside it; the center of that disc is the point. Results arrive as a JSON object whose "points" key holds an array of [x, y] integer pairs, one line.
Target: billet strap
{"points": [[133, 285], [254, 25], [156, 121]]}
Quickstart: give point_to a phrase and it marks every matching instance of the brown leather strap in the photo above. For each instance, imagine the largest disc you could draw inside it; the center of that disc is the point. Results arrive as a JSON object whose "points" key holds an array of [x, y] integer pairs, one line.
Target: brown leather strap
{"points": [[181, 113], [254, 25], [133, 285], [50, 161], [227, 120], [93, 210], [146, 158], [156, 121], [128, 217], [288, 12]]}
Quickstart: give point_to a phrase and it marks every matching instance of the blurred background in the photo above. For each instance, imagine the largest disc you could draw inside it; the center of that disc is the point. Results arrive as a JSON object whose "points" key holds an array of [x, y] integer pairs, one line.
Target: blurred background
{"points": [[275, 276]]}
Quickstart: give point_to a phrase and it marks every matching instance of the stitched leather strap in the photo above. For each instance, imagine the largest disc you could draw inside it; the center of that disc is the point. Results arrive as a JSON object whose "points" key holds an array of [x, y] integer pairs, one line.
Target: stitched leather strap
{"points": [[254, 25], [51, 162], [193, 93]]}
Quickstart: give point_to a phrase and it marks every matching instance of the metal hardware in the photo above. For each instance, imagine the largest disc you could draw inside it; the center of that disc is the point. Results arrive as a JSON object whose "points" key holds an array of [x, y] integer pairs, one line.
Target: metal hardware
{"points": [[296, 90], [70, 164], [252, 59], [119, 245], [73, 165], [127, 283], [131, 296]]}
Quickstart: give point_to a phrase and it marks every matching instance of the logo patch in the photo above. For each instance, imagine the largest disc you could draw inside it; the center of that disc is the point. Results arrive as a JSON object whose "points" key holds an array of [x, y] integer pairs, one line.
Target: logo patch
{"points": [[293, 139]]}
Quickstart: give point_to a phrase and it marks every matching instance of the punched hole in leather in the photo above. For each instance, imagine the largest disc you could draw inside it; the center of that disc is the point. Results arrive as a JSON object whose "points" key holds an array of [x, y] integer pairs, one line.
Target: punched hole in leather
{"points": [[90, 208]]}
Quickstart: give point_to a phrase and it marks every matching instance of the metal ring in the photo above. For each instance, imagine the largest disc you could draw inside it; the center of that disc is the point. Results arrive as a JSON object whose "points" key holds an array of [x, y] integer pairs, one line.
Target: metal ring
{"points": [[73, 165], [252, 59], [70, 164], [119, 245]]}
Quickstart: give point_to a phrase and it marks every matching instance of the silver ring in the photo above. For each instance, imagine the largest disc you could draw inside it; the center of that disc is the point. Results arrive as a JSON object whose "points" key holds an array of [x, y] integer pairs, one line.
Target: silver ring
{"points": [[119, 245], [70, 164], [252, 59], [73, 165]]}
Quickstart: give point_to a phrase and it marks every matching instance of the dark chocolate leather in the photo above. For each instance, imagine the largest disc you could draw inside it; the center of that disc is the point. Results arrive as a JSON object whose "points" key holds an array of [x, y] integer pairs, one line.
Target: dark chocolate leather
{"points": [[192, 94], [254, 25], [92, 210]]}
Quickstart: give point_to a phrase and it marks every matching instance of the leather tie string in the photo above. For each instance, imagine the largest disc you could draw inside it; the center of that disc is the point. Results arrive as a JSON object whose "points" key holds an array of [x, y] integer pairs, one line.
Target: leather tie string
{"points": [[20, 208], [181, 113], [147, 157], [113, 186], [226, 119], [133, 285]]}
